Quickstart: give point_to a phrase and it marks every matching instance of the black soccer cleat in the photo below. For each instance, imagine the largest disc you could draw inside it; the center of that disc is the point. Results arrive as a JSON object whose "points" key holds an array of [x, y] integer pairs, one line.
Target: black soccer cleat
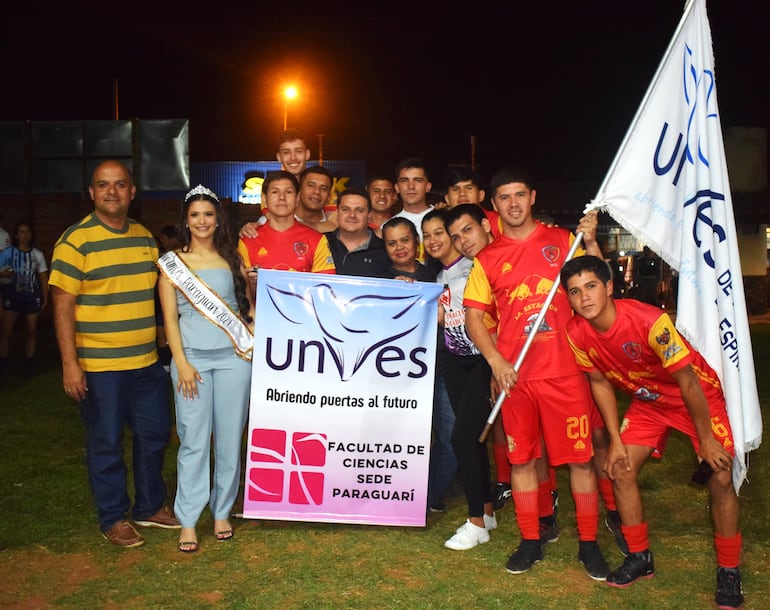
{"points": [[593, 561], [634, 567], [729, 591], [524, 557]]}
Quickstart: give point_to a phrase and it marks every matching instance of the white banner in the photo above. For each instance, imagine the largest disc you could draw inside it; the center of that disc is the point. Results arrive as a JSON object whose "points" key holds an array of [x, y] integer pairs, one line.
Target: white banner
{"points": [[341, 399], [668, 186]]}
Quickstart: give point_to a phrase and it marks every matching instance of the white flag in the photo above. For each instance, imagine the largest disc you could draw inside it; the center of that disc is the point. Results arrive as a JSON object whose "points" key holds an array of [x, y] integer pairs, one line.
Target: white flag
{"points": [[668, 186]]}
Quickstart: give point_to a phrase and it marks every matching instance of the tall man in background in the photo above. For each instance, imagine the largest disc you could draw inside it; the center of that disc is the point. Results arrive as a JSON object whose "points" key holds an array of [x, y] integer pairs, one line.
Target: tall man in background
{"points": [[413, 186], [293, 153]]}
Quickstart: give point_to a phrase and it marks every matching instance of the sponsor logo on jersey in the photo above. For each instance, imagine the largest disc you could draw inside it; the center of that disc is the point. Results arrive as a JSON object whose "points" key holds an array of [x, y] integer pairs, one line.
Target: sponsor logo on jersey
{"points": [[646, 395]]}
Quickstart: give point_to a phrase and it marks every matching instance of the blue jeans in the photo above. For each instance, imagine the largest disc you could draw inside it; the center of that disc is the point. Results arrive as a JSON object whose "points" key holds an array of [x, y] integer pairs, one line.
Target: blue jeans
{"points": [[139, 400], [443, 464]]}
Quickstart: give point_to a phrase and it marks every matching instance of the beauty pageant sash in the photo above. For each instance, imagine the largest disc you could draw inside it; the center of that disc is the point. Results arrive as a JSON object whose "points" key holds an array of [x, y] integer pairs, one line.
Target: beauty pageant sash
{"points": [[207, 303]]}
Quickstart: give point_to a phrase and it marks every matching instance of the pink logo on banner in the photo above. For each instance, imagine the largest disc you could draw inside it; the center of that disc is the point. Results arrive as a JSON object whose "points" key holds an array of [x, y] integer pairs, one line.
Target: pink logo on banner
{"points": [[269, 449]]}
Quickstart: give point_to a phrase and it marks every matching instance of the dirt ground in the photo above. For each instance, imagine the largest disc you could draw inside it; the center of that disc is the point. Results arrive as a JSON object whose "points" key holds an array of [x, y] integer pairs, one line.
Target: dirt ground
{"points": [[34, 578]]}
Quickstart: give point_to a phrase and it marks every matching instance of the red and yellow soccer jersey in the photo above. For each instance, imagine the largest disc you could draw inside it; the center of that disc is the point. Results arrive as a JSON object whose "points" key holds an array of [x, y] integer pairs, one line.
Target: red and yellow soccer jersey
{"points": [[495, 224], [515, 276], [299, 248], [639, 353]]}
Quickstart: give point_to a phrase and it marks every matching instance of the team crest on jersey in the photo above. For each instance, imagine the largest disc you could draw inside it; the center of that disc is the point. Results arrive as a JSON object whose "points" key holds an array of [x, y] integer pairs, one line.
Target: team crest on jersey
{"points": [[632, 350], [664, 337], [551, 253], [507, 267], [301, 248]]}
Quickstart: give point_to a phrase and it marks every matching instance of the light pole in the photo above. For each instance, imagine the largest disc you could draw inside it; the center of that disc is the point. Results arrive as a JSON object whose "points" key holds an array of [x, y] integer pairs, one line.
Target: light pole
{"points": [[320, 148], [288, 94]]}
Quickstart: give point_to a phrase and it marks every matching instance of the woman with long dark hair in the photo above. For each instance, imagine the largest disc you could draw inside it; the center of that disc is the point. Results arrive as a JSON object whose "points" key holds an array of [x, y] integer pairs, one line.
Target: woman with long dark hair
{"points": [[208, 317]]}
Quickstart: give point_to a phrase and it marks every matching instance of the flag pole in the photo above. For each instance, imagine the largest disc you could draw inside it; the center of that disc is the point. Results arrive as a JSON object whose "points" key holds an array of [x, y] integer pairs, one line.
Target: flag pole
{"points": [[530, 338]]}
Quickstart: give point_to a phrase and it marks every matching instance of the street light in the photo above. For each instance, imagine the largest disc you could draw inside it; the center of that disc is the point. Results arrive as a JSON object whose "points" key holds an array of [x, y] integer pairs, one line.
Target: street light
{"points": [[288, 94]]}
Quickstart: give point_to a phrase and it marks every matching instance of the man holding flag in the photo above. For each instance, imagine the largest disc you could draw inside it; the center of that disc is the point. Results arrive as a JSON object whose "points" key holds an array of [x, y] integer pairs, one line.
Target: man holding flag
{"points": [[514, 274]]}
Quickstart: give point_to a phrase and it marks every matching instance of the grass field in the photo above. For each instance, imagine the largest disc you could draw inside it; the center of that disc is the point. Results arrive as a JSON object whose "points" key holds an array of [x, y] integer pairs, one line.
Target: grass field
{"points": [[54, 556]]}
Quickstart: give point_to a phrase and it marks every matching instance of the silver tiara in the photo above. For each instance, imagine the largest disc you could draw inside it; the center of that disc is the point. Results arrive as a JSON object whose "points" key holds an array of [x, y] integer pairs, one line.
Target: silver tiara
{"points": [[201, 190]]}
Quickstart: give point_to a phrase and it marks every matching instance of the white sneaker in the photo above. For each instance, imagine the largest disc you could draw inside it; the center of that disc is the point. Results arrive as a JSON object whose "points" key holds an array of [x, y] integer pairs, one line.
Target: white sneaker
{"points": [[490, 522], [467, 537]]}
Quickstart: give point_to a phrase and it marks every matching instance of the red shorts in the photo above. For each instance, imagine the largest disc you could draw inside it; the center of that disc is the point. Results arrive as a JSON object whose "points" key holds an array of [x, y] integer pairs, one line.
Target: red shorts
{"points": [[648, 425], [559, 410], [595, 417]]}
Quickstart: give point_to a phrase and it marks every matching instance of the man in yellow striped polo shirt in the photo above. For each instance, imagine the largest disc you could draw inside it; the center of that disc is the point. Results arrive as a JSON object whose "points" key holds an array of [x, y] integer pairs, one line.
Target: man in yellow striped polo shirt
{"points": [[102, 282]]}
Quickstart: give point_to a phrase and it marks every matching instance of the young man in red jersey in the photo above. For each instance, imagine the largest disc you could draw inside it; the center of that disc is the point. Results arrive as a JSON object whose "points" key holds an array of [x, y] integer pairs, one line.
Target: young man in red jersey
{"points": [[635, 347], [469, 227], [282, 242], [514, 274]]}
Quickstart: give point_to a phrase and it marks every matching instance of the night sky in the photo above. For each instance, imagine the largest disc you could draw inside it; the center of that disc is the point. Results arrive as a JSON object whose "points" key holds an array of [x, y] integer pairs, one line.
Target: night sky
{"points": [[552, 87]]}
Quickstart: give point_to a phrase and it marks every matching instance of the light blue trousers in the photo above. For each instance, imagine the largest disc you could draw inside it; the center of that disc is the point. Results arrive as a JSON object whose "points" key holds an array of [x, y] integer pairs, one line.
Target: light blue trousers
{"points": [[219, 411]]}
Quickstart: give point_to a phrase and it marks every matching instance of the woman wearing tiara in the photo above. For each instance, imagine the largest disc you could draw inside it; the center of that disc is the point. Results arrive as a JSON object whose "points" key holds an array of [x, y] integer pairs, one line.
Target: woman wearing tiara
{"points": [[208, 318]]}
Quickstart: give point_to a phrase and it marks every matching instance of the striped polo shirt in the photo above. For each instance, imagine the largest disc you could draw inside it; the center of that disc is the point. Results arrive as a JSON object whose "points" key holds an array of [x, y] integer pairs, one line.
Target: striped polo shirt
{"points": [[113, 274]]}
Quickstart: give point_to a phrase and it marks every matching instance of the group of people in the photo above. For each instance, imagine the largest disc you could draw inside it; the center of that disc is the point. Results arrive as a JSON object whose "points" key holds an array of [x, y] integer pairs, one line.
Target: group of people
{"points": [[23, 294], [497, 264]]}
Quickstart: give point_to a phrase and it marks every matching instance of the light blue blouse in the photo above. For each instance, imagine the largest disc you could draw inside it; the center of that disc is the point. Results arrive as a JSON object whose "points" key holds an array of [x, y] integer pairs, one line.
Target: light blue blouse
{"points": [[197, 331]]}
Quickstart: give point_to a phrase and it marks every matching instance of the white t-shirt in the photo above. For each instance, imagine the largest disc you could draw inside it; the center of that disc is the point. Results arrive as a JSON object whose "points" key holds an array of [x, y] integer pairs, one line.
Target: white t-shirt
{"points": [[415, 218], [454, 278]]}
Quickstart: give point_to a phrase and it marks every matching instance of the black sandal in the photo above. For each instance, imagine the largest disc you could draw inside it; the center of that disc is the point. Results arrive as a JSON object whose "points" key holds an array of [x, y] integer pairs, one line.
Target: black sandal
{"points": [[188, 546]]}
